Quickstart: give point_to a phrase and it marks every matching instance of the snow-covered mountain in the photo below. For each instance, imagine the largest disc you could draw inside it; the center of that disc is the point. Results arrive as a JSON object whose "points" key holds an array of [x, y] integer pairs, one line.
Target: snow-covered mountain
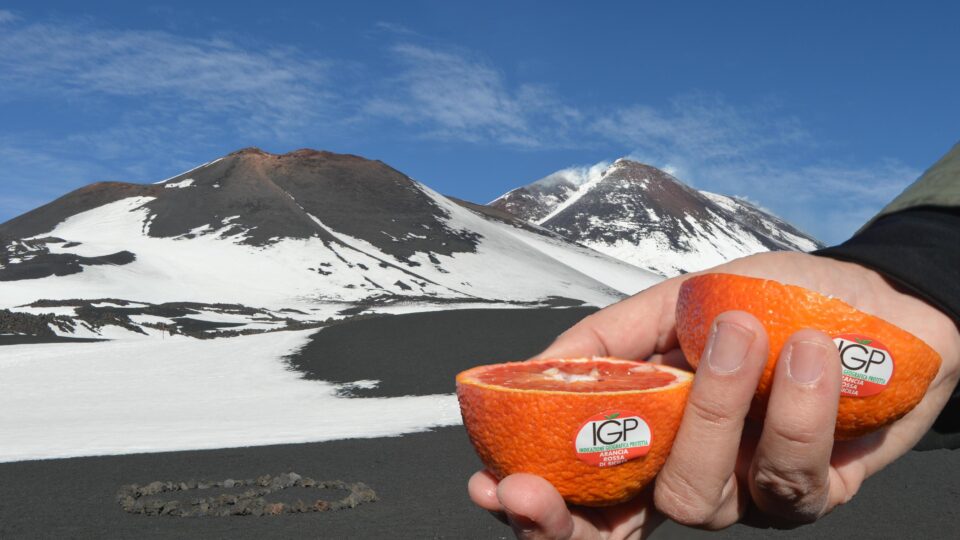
{"points": [[644, 216], [255, 240]]}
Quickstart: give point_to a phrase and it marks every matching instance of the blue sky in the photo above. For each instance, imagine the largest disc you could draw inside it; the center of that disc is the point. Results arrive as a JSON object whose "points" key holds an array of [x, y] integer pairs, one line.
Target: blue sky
{"points": [[818, 111]]}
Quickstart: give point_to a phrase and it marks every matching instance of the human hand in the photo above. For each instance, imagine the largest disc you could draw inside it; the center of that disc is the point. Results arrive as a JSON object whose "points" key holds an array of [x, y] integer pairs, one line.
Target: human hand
{"points": [[789, 467]]}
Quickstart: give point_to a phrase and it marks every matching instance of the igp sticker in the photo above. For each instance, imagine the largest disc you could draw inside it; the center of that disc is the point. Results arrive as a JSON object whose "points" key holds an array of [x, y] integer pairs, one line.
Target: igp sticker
{"points": [[867, 365], [612, 437]]}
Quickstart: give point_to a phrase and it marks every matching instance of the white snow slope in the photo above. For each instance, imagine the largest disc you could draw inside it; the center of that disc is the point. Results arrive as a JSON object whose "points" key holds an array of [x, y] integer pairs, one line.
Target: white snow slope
{"points": [[121, 397], [213, 267], [636, 213], [148, 393]]}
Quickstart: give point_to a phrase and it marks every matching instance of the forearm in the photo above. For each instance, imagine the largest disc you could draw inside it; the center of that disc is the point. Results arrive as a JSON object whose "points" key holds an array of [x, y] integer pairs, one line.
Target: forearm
{"points": [[918, 249]]}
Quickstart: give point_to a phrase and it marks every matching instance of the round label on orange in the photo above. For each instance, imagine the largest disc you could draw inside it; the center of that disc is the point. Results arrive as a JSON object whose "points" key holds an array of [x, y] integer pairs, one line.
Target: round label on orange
{"points": [[867, 365], [612, 437]]}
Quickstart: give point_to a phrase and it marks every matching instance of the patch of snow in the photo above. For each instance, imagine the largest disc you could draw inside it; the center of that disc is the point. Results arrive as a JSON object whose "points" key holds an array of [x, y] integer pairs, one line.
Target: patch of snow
{"points": [[364, 384], [401, 308], [511, 267], [58, 310], [594, 177], [67, 400], [204, 269], [247, 322], [112, 304], [704, 248], [181, 184], [190, 171], [727, 203], [212, 265], [622, 276], [150, 319], [771, 228]]}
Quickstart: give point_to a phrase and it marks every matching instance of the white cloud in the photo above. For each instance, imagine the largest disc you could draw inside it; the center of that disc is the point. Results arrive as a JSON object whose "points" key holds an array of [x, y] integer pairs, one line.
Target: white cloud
{"points": [[760, 151], [272, 89], [451, 95], [158, 102], [829, 200], [180, 96], [701, 139], [395, 28], [577, 175], [699, 128], [7, 16]]}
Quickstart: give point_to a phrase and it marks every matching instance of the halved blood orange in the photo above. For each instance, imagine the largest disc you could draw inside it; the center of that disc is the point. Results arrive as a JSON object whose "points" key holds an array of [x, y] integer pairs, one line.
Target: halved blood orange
{"points": [[886, 370], [598, 429]]}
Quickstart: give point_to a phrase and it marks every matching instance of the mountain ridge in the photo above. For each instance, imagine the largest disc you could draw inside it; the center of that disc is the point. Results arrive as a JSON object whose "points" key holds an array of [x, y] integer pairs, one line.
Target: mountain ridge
{"points": [[649, 218], [324, 234]]}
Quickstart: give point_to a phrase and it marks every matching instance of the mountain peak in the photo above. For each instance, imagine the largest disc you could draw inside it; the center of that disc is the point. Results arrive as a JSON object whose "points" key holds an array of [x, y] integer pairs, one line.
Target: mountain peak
{"points": [[299, 153], [248, 150], [257, 198], [318, 232], [639, 168], [648, 217]]}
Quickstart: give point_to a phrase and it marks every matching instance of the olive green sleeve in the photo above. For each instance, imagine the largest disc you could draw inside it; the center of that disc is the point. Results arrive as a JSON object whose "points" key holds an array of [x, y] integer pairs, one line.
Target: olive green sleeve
{"points": [[938, 186]]}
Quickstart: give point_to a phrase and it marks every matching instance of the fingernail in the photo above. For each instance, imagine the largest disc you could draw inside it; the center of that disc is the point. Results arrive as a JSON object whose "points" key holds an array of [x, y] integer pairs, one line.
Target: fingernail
{"points": [[806, 360], [728, 347]]}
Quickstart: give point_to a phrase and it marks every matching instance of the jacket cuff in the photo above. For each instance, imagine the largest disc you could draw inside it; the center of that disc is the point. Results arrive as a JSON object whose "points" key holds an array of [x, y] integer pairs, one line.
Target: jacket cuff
{"points": [[918, 248]]}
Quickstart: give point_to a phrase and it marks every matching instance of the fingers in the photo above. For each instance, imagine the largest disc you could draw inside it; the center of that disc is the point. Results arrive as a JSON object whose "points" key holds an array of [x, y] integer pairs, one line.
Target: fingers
{"points": [[790, 473], [697, 485], [528, 503], [534, 508], [482, 488], [634, 328]]}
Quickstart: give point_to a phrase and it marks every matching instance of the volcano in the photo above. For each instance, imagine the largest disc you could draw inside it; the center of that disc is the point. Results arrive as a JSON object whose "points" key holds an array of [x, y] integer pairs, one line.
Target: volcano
{"points": [[303, 237], [647, 217]]}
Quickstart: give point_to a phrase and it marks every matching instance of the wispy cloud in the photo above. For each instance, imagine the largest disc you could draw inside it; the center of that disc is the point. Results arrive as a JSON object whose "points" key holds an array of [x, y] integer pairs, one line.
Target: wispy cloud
{"points": [[7, 16], [395, 28], [829, 199], [453, 95], [700, 125], [181, 96], [145, 103], [272, 88], [760, 152]]}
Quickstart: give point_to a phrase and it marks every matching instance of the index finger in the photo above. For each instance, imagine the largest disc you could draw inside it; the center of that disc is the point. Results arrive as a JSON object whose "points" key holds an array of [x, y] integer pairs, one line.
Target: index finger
{"points": [[634, 328], [697, 485]]}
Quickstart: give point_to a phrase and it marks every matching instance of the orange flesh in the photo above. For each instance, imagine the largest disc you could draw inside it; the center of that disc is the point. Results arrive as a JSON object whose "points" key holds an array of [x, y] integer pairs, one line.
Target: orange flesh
{"points": [[593, 376]]}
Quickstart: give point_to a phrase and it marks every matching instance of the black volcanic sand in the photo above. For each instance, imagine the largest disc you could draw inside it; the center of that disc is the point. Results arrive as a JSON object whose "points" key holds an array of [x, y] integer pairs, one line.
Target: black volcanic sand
{"points": [[421, 353], [420, 478], [187, 324], [34, 340]]}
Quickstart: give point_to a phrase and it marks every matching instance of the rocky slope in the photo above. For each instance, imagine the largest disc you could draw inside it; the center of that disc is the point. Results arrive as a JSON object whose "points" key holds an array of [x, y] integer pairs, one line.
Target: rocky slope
{"points": [[303, 236], [644, 216]]}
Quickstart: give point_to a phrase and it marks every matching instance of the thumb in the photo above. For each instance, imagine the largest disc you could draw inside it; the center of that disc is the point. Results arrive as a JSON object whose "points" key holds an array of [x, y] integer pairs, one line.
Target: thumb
{"points": [[534, 508], [634, 328]]}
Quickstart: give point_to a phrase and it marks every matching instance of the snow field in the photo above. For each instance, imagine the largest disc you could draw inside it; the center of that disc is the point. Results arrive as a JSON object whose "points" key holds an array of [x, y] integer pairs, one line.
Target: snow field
{"points": [[120, 397]]}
